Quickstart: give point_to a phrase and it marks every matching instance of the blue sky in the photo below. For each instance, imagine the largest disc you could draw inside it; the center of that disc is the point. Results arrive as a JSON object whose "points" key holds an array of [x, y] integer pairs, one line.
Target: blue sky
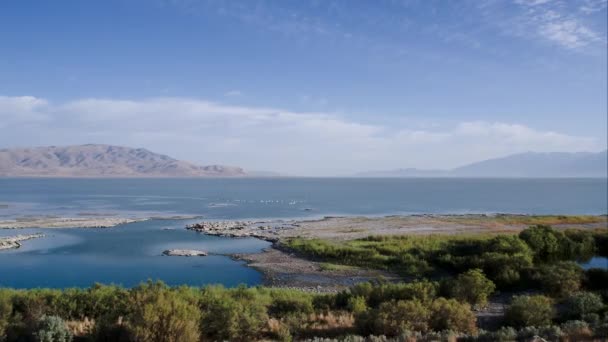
{"points": [[307, 87]]}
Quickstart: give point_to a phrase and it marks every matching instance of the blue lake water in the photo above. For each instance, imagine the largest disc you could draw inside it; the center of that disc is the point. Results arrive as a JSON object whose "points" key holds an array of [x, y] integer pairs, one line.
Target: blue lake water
{"points": [[131, 253], [596, 262]]}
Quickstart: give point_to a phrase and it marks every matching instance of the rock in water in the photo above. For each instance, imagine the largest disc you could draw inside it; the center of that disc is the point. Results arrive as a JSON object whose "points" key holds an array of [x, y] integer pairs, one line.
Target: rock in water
{"points": [[184, 252]]}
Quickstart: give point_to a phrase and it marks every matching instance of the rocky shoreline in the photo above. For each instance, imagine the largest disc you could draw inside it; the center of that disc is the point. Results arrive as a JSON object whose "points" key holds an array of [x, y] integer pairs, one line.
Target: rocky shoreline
{"points": [[88, 220], [67, 222], [268, 231], [11, 242], [354, 227], [282, 268]]}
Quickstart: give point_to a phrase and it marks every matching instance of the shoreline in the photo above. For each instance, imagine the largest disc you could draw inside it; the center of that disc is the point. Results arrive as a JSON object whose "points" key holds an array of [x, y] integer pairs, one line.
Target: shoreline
{"points": [[91, 220], [282, 268], [12, 242], [352, 227]]}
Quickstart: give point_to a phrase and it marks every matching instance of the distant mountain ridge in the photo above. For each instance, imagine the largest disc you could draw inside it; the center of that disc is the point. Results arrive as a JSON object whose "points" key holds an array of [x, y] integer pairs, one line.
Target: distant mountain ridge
{"points": [[529, 164], [95, 160]]}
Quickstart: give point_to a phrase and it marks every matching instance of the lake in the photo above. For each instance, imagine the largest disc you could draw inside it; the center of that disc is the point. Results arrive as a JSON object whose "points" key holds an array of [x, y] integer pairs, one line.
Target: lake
{"points": [[131, 253]]}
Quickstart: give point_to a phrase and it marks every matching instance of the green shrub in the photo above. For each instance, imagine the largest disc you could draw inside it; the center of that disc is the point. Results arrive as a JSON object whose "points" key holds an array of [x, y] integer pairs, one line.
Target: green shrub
{"points": [[235, 315], [356, 305], [288, 303], [161, 314], [472, 287], [561, 279], [546, 242], [550, 245], [449, 314], [534, 310], [6, 312], [376, 294], [52, 329], [395, 318], [581, 304]]}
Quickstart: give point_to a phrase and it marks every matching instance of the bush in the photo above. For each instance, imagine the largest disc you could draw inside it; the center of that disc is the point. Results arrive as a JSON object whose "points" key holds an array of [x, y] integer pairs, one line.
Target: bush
{"points": [[561, 279], [161, 314], [377, 294], [546, 242], [530, 311], [449, 314], [234, 315], [6, 311], [356, 305], [52, 329], [502, 334], [287, 303], [472, 287], [581, 304], [577, 330], [550, 245], [395, 318]]}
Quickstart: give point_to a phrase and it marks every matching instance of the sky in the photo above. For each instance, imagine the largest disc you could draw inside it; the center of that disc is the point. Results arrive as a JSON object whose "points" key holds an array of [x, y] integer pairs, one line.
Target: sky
{"points": [[317, 88]]}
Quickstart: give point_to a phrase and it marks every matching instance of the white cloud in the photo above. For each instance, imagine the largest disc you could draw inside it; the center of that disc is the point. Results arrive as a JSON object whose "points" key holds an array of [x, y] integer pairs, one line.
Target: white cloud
{"points": [[22, 109], [568, 33], [532, 2], [592, 6], [268, 138], [566, 24]]}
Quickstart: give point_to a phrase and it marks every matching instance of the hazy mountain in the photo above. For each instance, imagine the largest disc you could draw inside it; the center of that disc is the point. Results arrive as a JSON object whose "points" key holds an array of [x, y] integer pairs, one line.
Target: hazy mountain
{"points": [[410, 172], [530, 164], [101, 161]]}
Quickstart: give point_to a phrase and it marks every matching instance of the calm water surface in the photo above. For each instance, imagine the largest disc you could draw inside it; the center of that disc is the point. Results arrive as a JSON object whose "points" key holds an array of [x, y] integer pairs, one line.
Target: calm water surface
{"points": [[130, 253]]}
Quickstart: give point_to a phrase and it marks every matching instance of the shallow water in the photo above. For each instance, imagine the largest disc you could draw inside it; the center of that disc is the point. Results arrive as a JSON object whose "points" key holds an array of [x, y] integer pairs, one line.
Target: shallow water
{"points": [[126, 255]]}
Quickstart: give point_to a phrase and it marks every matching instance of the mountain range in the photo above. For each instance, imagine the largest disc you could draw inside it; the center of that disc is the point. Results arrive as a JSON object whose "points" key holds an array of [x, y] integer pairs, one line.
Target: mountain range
{"points": [[102, 161], [94, 160], [529, 164]]}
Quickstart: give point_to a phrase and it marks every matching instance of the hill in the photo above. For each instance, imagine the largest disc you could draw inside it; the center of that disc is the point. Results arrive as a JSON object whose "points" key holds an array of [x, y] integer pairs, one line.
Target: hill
{"points": [[101, 161], [530, 164]]}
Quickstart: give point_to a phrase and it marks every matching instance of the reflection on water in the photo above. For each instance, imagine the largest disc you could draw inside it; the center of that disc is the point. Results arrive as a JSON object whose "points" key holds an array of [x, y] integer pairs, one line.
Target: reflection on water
{"points": [[125, 255]]}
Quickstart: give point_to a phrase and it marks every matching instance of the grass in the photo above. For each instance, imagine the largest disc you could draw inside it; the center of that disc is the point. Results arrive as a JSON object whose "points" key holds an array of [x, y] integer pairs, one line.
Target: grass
{"points": [[436, 254], [529, 220], [407, 255]]}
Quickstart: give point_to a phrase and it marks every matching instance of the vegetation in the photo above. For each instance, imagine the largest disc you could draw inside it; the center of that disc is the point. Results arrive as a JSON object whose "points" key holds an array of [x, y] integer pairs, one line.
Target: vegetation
{"points": [[509, 261], [582, 305], [52, 329], [536, 311], [472, 287], [554, 298]]}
